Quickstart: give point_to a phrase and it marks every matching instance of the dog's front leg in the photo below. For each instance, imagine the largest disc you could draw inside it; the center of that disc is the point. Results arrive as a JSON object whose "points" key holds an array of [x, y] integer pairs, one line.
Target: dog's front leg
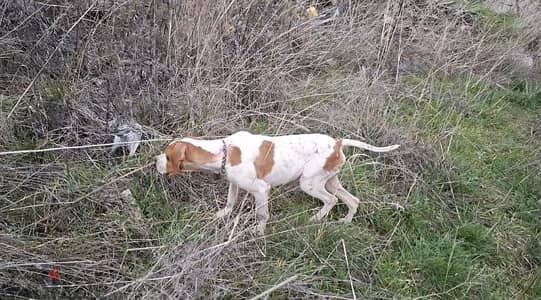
{"points": [[262, 210], [232, 197]]}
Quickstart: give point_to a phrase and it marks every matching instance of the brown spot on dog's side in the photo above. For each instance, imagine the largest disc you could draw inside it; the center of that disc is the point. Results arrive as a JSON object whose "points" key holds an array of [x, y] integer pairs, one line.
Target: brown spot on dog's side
{"points": [[234, 156], [264, 161], [336, 159]]}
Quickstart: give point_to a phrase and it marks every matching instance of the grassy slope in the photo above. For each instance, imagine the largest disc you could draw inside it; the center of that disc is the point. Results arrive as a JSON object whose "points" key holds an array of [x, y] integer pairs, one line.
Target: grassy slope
{"points": [[477, 235], [473, 233], [474, 238]]}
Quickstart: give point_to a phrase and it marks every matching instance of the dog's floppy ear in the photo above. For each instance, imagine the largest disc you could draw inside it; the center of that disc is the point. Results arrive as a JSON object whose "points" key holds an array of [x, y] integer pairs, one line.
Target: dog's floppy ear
{"points": [[176, 154]]}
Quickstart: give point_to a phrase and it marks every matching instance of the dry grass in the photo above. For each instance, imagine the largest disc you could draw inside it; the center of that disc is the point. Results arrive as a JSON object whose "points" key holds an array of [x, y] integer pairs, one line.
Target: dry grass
{"points": [[210, 68]]}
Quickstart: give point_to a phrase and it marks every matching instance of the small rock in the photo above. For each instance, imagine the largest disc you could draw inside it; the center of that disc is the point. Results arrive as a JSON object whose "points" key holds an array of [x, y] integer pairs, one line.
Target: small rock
{"points": [[398, 206], [501, 6], [128, 199], [522, 61], [127, 196], [312, 12]]}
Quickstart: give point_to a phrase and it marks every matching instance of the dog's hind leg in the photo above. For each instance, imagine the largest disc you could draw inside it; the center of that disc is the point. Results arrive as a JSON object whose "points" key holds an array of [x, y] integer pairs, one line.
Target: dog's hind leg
{"points": [[334, 186], [315, 187]]}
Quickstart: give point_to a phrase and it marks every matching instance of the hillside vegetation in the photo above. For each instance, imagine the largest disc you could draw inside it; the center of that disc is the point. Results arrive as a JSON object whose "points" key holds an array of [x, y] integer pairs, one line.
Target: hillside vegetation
{"points": [[455, 213]]}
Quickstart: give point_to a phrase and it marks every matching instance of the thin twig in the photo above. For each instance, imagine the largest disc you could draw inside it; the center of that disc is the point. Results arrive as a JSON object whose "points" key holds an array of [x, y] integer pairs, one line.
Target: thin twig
{"points": [[349, 272], [272, 289]]}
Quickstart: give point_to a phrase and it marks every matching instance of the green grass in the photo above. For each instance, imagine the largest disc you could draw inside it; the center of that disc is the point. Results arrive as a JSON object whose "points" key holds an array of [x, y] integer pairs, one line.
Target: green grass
{"points": [[490, 20], [434, 253], [471, 228], [151, 199], [474, 240], [317, 251], [259, 126], [450, 245], [470, 231]]}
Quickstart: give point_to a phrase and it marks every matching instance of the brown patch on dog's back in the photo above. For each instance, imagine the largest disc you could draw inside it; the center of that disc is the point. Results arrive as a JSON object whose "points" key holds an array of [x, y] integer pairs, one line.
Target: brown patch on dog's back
{"points": [[264, 161], [234, 156], [336, 159]]}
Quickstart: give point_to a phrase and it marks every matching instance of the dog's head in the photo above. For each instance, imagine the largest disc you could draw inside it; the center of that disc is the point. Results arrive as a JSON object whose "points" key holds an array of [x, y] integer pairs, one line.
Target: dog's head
{"points": [[183, 155], [171, 161]]}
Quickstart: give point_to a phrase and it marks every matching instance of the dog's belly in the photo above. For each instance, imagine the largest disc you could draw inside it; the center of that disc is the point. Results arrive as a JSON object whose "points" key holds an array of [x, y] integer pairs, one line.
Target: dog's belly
{"points": [[283, 174]]}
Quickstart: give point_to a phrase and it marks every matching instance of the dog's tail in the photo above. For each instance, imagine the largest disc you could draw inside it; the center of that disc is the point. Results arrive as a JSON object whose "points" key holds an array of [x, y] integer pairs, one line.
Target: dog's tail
{"points": [[359, 144]]}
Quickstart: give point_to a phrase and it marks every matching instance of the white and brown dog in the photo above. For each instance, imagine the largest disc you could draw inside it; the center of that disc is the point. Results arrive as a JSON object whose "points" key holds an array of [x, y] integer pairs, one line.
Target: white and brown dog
{"points": [[256, 163]]}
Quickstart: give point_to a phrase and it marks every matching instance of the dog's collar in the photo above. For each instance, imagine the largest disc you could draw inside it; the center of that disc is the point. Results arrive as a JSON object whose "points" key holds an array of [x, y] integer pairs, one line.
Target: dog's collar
{"points": [[224, 157]]}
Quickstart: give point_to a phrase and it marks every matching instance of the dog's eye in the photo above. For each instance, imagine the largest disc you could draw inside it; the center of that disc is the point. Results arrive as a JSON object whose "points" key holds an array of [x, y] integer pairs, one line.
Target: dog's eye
{"points": [[167, 157]]}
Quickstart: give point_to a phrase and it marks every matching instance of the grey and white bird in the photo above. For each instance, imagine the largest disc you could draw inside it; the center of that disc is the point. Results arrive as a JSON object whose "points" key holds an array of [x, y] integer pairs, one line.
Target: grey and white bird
{"points": [[125, 133]]}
